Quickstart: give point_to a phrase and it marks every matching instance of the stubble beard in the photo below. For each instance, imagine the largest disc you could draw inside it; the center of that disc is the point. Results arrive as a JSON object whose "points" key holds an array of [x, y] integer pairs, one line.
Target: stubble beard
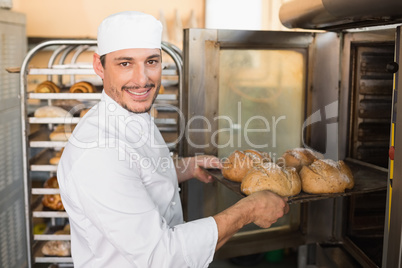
{"points": [[146, 109]]}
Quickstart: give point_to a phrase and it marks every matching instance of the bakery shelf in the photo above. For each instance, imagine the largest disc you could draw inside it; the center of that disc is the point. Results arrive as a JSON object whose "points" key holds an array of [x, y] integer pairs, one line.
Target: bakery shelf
{"points": [[53, 259], [42, 191], [41, 159], [53, 120], [39, 257], [65, 96], [49, 214], [40, 162], [40, 139], [47, 144], [61, 71], [49, 259], [46, 237], [48, 168], [39, 211]]}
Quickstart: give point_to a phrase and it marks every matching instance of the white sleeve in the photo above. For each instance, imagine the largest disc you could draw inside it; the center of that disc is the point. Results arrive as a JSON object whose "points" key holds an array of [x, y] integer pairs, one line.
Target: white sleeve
{"points": [[115, 200]]}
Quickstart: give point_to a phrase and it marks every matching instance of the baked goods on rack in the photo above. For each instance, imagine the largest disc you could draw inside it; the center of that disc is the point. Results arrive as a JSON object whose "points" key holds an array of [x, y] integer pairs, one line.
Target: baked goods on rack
{"points": [[298, 157], [82, 87], [56, 158], [84, 112], [283, 181], [60, 248], [47, 87], [52, 201], [161, 89], [237, 165], [51, 111], [69, 105], [326, 176], [61, 133]]}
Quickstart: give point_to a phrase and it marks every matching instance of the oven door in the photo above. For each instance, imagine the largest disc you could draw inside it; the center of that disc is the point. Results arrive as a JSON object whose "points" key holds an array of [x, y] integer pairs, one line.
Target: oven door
{"points": [[392, 256], [269, 91]]}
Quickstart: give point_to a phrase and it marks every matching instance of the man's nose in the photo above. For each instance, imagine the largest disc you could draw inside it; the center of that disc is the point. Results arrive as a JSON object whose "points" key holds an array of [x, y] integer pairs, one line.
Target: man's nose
{"points": [[139, 75]]}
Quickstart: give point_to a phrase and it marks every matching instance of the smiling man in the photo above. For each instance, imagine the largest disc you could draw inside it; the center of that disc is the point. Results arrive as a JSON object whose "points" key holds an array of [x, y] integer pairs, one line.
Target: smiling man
{"points": [[118, 182], [133, 77]]}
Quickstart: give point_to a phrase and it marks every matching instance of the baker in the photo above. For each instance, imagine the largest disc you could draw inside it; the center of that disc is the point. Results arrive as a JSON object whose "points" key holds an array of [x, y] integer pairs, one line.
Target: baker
{"points": [[118, 182]]}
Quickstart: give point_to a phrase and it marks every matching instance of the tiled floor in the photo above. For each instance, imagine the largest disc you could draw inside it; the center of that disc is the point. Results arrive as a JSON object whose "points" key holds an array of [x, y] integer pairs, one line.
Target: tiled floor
{"points": [[285, 259]]}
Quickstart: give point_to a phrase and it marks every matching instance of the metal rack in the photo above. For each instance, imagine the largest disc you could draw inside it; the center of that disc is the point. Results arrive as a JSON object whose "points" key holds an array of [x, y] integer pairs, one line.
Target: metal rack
{"points": [[36, 146]]}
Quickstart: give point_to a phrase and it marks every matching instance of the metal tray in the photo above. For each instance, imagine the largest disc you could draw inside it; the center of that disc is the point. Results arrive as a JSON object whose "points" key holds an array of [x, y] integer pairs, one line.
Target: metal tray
{"points": [[368, 178]]}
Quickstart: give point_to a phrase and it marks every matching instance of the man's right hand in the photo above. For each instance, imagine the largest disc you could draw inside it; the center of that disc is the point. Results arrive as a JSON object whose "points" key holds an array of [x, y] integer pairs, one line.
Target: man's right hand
{"points": [[261, 208], [268, 207]]}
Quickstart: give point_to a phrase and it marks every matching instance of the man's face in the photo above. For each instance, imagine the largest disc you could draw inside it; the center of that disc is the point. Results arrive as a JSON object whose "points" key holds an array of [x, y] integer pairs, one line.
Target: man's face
{"points": [[132, 77]]}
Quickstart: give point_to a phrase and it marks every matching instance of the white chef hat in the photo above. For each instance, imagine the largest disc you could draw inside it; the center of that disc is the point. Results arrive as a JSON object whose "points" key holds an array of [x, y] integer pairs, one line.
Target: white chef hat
{"points": [[129, 29]]}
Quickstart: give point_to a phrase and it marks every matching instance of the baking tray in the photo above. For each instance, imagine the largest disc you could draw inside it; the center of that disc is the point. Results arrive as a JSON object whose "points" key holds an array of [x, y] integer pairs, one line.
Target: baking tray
{"points": [[368, 178]]}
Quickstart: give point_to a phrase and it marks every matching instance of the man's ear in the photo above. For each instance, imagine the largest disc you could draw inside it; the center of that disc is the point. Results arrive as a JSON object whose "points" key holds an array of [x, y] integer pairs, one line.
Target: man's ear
{"points": [[97, 64]]}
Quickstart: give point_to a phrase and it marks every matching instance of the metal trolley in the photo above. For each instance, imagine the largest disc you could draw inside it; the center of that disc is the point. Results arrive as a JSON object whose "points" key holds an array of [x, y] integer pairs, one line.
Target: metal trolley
{"points": [[65, 67]]}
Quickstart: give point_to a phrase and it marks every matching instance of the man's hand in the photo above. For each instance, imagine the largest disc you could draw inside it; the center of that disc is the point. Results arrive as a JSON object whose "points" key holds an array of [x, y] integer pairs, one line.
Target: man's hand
{"points": [[189, 167], [205, 161], [261, 208], [268, 208]]}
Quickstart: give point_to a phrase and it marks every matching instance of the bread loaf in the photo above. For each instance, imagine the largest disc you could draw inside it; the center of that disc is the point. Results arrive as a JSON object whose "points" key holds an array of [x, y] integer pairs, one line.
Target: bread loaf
{"points": [[84, 112], [161, 89], [82, 87], [52, 201], [51, 111], [60, 248], [61, 133], [69, 105], [326, 176], [298, 158], [269, 176], [47, 87], [56, 158], [236, 166]]}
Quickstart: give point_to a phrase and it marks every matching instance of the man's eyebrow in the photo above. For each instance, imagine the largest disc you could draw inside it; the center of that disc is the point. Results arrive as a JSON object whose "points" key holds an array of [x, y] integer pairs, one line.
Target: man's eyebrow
{"points": [[123, 58], [131, 58], [154, 56]]}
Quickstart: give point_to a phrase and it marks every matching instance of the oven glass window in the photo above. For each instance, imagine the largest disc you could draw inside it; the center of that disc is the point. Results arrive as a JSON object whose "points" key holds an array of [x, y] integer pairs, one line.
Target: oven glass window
{"points": [[261, 100]]}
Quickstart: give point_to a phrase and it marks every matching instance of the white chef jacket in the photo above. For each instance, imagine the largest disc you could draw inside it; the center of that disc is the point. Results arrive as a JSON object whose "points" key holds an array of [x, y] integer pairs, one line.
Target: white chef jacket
{"points": [[119, 187]]}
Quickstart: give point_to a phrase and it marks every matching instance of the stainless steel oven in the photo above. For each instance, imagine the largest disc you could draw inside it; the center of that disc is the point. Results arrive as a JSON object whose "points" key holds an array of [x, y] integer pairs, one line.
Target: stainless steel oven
{"points": [[333, 91]]}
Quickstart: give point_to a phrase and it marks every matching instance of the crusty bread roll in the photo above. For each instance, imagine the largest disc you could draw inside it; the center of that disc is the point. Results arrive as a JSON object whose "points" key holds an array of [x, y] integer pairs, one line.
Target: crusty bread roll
{"points": [[61, 248], [61, 133], [56, 158], [51, 111], [326, 176], [68, 105], [82, 87], [269, 176], [84, 112], [161, 89], [298, 158], [258, 157], [47, 87], [236, 166], [52, 201]]}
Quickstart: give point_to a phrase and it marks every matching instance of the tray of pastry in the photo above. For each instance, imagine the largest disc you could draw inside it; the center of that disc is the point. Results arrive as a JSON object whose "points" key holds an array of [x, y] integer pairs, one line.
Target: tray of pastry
{"points": [[367, 178], [45, 160]]}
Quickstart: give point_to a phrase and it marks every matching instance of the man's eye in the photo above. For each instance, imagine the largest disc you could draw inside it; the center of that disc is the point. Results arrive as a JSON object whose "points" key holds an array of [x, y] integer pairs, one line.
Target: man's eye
{"points": [[124, 64], [152, 61]]}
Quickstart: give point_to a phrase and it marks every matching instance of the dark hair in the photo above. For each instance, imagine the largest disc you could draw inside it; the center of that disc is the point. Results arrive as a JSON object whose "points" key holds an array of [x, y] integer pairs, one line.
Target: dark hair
{"points": [[102, 59]]}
